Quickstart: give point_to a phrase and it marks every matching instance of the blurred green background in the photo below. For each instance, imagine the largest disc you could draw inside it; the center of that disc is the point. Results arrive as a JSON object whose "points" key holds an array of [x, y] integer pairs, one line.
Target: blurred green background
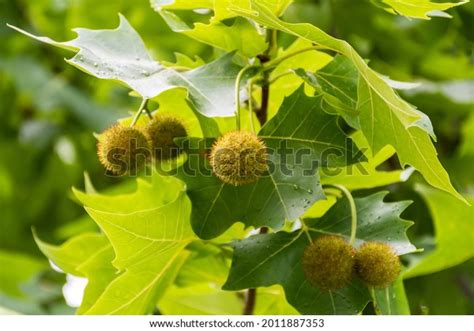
{"points": [[49, 110]]}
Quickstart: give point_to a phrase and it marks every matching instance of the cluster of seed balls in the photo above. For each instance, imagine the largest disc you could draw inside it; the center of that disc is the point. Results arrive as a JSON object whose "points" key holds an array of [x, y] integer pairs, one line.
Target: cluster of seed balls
{"points": [[330, 263], [237, 158], [120, 156]]}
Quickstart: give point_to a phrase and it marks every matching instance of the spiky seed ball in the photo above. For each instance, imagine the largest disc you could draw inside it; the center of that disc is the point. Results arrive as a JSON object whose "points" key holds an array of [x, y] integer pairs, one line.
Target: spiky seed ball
{"points": [[161, 130], [328, 262], [123, 149], [239, 158], [377, 264]]}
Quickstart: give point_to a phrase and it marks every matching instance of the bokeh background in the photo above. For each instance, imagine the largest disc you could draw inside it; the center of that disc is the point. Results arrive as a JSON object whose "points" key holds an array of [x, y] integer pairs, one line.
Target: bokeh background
{"points": [[49, 110]]}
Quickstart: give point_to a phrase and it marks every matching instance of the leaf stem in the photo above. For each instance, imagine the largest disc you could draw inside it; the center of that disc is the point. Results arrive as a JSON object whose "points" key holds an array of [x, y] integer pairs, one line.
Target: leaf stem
{"points": [[250, 90], [374, 300], [237, 94], [306, 230], [140, 111], [277, 77], [252, 126], [272, 64], [250, 297], [353, 208], [251, 294]]}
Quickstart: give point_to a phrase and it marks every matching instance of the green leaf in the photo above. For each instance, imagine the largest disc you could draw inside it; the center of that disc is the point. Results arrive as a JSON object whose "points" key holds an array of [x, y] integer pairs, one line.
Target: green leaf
{"points": [[73, 253], [121, 55], [413, 145], [48, 91], [467, 147], [268, 259], [271, 301], [384, 117], [391, 300], [337, 81], [454, 227], [198, 289], [200, 300], [173, 102], [148, 230], [240, 35], [364, 175], [87, 255], [16, 269], [203, 268], [183, 60], [301, 124], [263, 260], [100, 272], [376, 221], [449, 296], [263, 15], [422, 9], [211, 87], [181, 4], [289, 189], [286, 85], [222, 8], [340, 81]]}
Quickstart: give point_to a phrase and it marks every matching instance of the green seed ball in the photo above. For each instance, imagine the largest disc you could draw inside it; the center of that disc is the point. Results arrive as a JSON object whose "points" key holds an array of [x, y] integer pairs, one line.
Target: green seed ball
{"points": [[328, 262], [239, 158], [162, 130], [123, 150], [377, 264]]}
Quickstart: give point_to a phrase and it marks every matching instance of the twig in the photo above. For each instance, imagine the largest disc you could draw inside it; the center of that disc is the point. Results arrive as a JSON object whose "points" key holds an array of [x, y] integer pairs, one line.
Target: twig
{"points": [[251, 294], [139, 112]]}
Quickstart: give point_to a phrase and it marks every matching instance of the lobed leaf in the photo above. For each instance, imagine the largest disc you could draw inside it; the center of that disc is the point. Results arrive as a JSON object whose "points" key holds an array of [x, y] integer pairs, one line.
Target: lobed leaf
{"points": [[267, 259], [363, 107], [422, 9], [120, 55], [240, 35], [365, 175], [301, 139], [148, 230], [454, 228], [222, 8], [87, 255]]}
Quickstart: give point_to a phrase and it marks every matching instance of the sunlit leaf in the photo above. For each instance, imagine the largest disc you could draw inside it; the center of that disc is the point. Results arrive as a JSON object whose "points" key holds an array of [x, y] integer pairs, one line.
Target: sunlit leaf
{"points": [[454, 228], [422, 9], [364, 175], [16, 270], [198, 289], [240, 35], [148, 230], [377, 118], [121, 55], [87, 255], [391, 300]]}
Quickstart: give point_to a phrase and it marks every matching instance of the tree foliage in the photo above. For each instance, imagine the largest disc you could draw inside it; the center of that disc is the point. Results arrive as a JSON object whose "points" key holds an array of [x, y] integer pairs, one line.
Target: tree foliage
{"points": [[178, 240]]}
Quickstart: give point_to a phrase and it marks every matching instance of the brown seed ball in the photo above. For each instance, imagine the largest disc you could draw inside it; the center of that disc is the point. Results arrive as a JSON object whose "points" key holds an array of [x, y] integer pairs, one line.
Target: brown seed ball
{"points": [[377, 264], [239, 158], [161, 130], [328, 262], [123, 150]]}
